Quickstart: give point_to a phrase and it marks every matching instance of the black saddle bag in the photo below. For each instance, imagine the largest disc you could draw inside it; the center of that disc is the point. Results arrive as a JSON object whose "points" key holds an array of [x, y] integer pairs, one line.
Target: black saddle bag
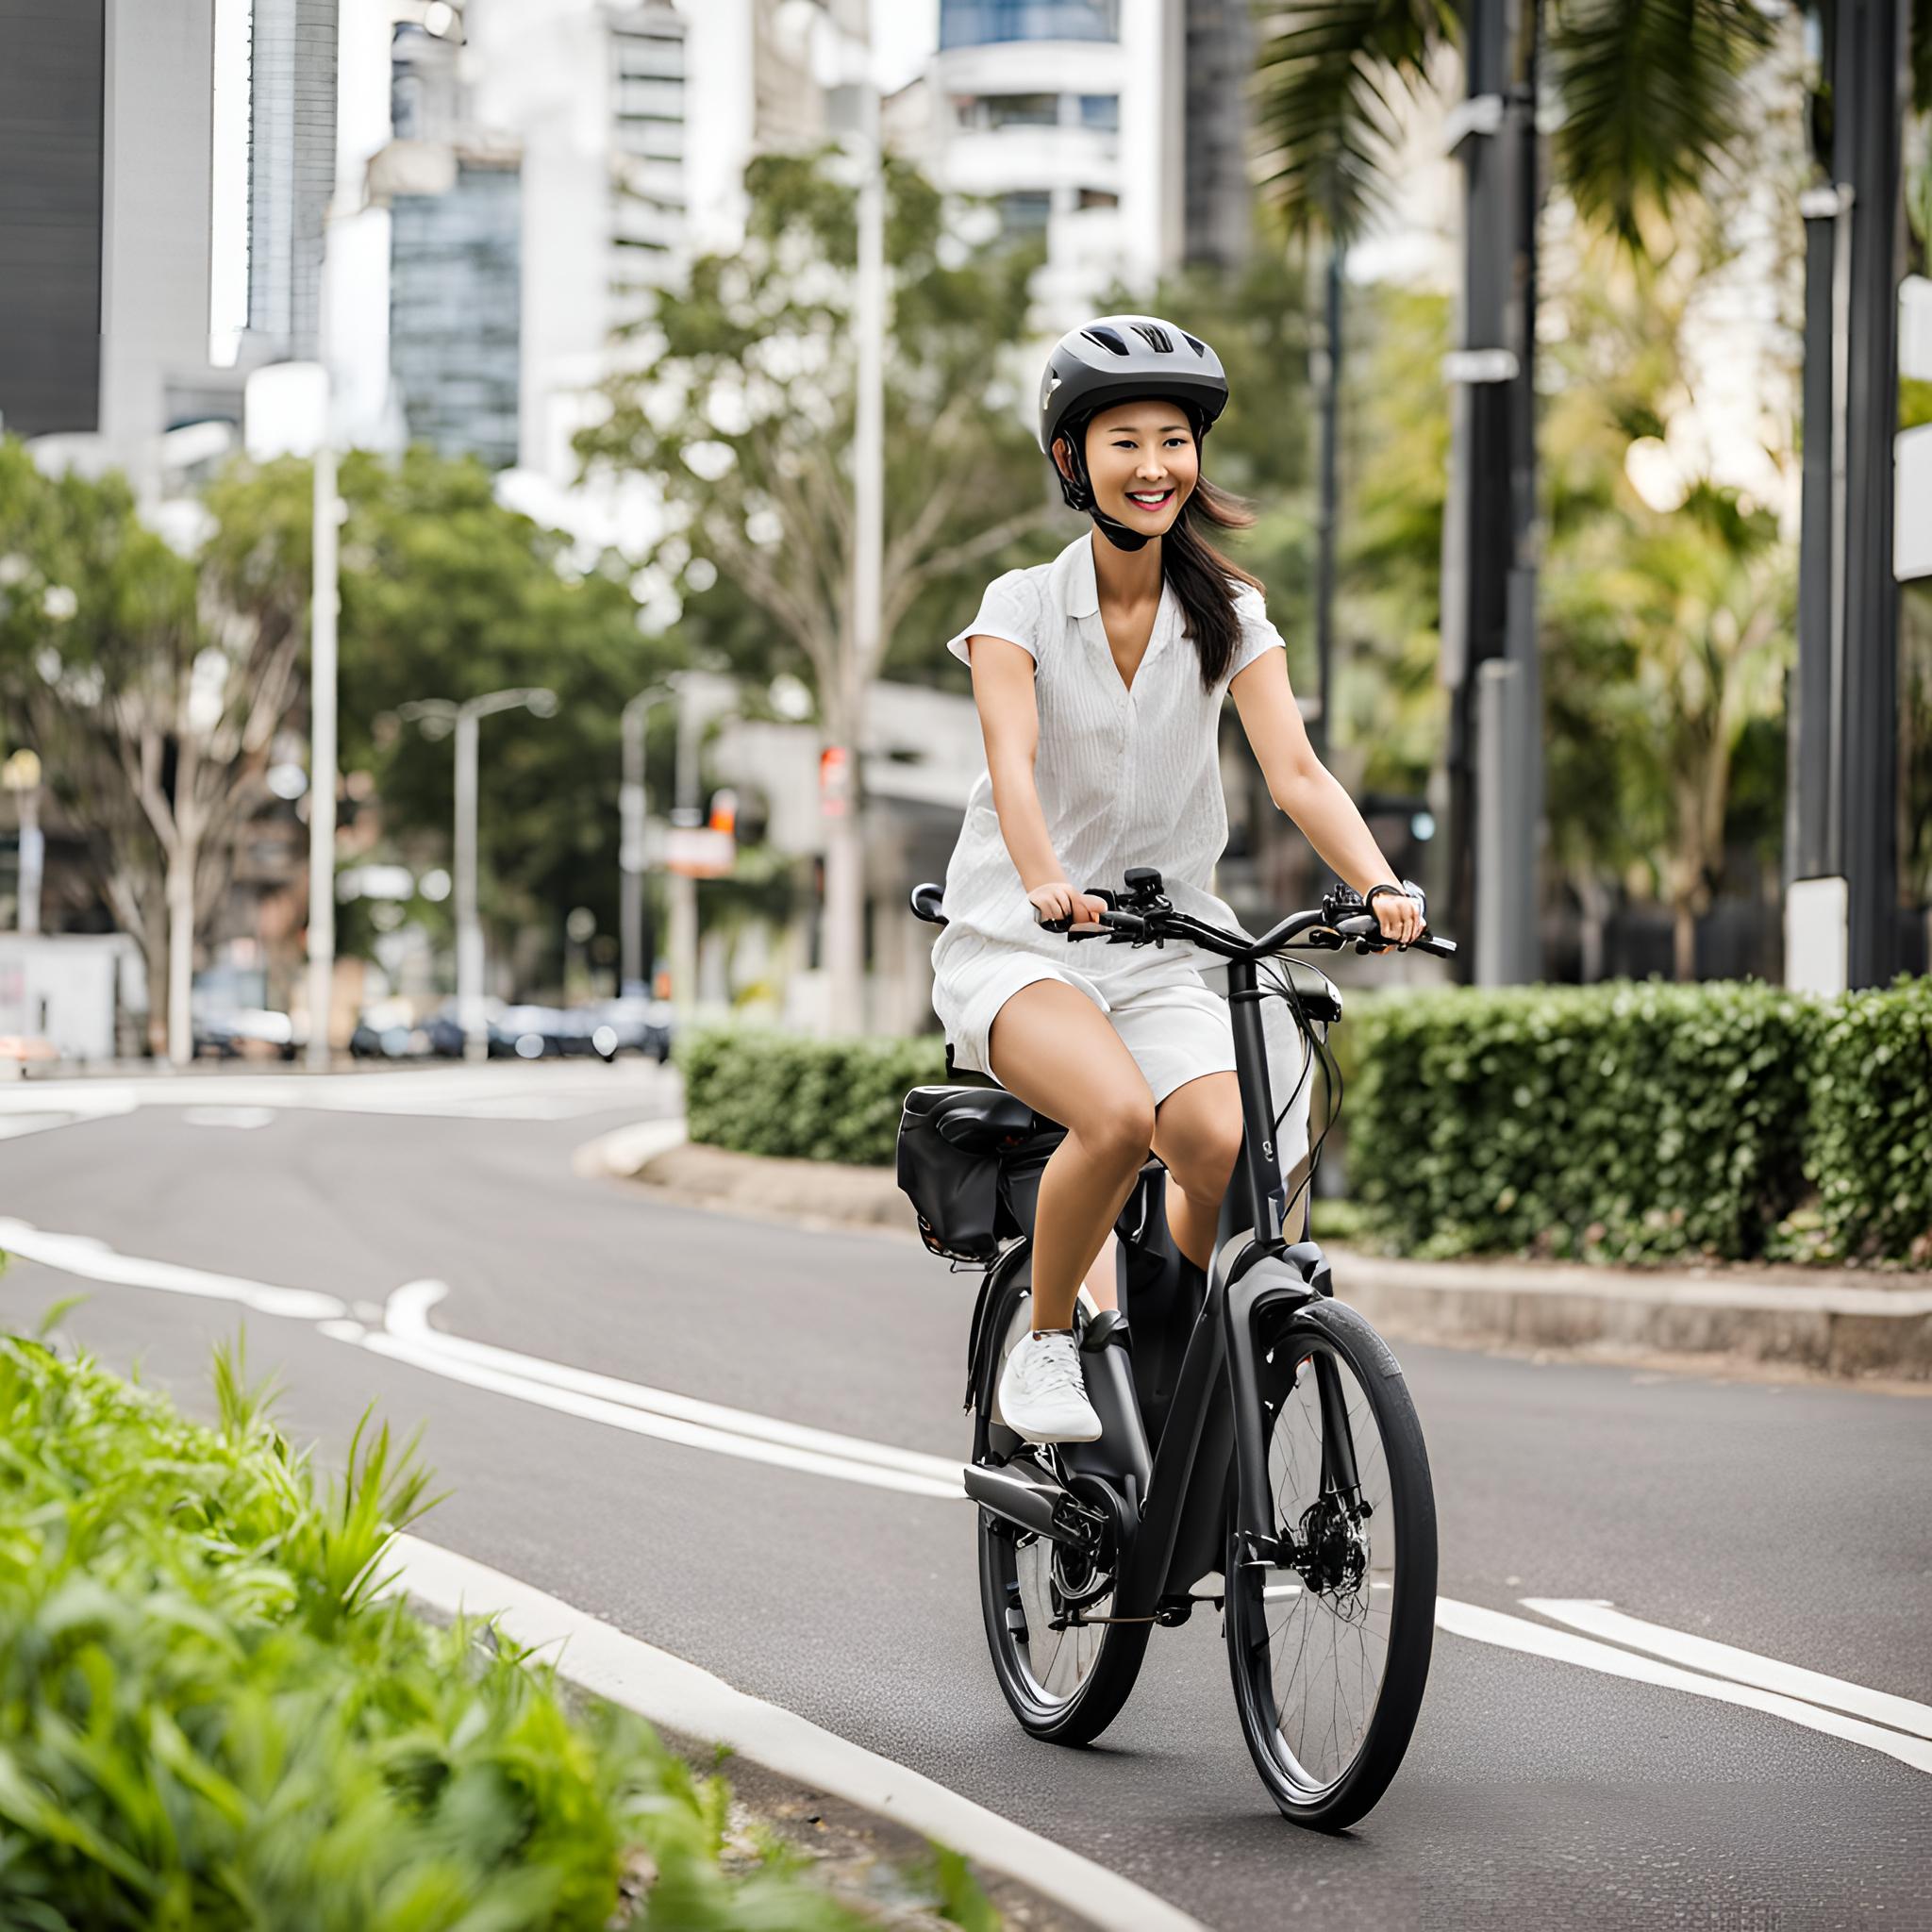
{"points": [[952, 1144]]}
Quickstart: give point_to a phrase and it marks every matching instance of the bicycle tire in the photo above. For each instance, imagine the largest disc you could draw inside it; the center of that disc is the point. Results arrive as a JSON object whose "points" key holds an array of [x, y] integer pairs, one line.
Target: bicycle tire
{"points": [[1053, 1703], [1306, 1786]]}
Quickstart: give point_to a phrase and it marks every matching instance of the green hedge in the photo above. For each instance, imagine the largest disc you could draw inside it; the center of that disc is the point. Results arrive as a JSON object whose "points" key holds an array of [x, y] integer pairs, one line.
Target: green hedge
{"points": [[1628, 1121], [1647, 1122], [1625, 1121], [1870, 1147], [211, 1719], [760, 1091]]}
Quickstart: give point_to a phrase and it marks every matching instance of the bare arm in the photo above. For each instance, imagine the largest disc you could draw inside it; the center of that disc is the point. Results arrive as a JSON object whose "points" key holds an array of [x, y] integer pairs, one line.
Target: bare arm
{"points": [[1303, 787], [1009, 723]]}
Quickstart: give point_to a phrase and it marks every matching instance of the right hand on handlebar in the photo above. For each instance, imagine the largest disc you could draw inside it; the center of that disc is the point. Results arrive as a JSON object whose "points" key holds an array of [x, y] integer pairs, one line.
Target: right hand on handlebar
{"points": [[1058, 908]]}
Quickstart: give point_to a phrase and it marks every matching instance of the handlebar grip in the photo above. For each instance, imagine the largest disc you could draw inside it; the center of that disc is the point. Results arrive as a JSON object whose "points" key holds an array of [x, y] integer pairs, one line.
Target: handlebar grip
{"points": [[1065, 925], [1364, 925]]}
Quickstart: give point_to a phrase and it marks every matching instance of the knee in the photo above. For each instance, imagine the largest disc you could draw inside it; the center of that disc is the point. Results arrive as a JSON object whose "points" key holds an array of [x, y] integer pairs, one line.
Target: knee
{"points": [[1208, 1167], [1120, 1129]]}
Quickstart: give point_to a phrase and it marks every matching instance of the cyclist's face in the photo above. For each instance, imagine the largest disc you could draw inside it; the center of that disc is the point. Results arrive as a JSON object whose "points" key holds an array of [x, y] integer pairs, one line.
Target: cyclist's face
{"points": [[1143, 464]]}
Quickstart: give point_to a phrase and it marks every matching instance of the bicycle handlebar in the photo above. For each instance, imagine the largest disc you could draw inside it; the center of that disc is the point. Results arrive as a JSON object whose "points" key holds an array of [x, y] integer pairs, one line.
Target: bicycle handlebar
{"points": [[1150, 919]]}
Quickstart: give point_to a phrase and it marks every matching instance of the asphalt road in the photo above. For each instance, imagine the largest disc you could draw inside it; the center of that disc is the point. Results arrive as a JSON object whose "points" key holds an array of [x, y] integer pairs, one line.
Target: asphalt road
{"points": [[1793, 1521]]}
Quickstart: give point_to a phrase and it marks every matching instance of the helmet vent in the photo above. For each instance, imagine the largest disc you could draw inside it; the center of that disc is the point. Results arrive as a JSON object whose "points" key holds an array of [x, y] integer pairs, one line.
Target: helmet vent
{"points": [[1155, 338], [1108, 339], [1194, 342]]}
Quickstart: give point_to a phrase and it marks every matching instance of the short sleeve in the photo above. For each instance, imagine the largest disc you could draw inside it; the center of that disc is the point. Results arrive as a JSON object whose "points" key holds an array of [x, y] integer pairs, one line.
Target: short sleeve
{"points": [[1010, 610], [1257, 633]]}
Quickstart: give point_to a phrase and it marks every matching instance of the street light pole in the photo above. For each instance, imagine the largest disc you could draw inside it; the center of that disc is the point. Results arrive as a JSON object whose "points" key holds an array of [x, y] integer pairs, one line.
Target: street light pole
{"points": [[322, 748], [438, 716], [21, 775], [634, 969]]}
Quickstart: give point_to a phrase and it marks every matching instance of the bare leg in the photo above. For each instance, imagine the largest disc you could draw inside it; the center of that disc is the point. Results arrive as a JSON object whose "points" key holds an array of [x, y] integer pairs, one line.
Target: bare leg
{"points": [[1056, 1049], [1197, 1133]]}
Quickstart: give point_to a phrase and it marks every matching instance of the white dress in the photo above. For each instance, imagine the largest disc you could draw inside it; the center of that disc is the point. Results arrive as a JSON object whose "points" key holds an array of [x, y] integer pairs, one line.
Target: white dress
{"points": [[1125, 777]]}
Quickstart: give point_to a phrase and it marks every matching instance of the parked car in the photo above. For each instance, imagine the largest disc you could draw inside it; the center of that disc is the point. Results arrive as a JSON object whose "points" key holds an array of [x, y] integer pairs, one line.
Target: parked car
{"points": [[253, 1033], [641, 1025]]}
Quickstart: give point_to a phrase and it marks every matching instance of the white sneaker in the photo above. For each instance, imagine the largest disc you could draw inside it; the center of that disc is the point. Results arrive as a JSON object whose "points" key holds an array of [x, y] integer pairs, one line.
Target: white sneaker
{"points": [[1043, 1395]]}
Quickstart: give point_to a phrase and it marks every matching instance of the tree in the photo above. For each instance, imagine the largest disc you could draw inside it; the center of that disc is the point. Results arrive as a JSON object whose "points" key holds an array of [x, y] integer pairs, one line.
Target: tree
{"points": [[1668, 623], [1650, 98], [447, 593], [154, 692], [740, 405]]}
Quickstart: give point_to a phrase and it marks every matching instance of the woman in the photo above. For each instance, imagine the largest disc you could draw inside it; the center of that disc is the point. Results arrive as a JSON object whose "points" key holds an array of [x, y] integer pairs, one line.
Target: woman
{"points": [[1099, 680]]}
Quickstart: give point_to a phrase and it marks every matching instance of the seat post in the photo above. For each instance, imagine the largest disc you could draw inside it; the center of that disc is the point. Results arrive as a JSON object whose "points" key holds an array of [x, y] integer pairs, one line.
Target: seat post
{"points": [[1261, 1165]]}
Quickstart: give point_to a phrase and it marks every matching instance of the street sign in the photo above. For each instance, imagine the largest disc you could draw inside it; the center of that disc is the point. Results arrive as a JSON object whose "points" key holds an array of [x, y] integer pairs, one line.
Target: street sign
{"points": [[699, 852]]}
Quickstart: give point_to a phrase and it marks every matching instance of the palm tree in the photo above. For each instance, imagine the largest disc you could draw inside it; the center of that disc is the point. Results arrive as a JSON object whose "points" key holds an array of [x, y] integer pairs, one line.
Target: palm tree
{"points": [[1649, 92], [1649, 98]]}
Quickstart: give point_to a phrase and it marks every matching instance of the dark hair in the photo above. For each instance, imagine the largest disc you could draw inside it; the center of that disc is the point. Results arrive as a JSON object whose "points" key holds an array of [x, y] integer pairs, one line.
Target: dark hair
{"points": [[1204, 580]]}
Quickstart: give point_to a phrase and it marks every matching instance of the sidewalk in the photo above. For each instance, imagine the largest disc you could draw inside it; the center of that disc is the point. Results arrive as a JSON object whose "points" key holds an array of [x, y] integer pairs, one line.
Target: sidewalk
{"points": [[1841, 1323]]}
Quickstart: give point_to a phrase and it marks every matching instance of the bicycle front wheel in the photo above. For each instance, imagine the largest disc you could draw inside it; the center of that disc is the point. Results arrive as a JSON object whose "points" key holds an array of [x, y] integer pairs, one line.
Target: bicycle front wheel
{"points": [[1329, 1633]]}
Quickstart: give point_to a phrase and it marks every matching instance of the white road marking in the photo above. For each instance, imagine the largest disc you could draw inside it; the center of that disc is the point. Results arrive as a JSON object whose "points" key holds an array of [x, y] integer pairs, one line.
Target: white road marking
{"points": [[94, 1260], [407, 1317], [14, 1126], [239, 1117], [1807, 1698], [682, 1697], [1563, 1646], [502, 1091], [1599, 1619], [638, 1423]]}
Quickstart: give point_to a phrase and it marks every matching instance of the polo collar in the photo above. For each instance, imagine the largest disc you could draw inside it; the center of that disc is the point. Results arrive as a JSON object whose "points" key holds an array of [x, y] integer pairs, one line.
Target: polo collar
{"points": [[1079, 591]]}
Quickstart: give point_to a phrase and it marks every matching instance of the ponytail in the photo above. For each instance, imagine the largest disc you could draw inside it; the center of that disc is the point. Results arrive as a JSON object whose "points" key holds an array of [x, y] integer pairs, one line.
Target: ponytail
{"points": [[1204, 580]]}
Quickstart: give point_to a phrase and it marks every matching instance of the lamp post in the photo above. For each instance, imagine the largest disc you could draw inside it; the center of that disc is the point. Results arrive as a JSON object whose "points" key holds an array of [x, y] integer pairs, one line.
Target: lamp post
{"points": [[21, 775], [440, 717], [634, 969]]}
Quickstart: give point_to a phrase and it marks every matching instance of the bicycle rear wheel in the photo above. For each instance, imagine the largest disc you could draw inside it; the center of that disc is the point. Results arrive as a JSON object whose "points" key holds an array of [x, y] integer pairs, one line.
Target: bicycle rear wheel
{"points": [[1329, 1635], [1064, 1678]]}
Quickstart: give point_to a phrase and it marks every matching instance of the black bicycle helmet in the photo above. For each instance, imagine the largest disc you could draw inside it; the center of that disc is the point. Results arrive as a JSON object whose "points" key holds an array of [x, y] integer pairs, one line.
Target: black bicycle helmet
{"points": [[1122, 358]]}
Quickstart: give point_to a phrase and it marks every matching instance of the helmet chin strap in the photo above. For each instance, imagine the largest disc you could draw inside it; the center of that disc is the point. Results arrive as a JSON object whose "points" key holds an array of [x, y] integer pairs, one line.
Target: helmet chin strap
{"points": [[1078, 492]]}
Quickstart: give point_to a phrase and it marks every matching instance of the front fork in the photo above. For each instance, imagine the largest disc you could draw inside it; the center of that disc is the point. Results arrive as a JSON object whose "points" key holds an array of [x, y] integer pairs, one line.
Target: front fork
{"points": [[1290, 1278]]}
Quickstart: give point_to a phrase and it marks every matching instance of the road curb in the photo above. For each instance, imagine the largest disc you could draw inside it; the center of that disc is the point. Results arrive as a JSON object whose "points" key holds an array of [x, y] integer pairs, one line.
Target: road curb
{"points": [[1841, 1323], [680, 1697]]}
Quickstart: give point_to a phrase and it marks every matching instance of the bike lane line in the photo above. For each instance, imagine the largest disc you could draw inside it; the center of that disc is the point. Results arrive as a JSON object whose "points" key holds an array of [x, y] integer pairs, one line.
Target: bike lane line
{"points": [[1598, 1617], [82, 1255], [1497, 1627], [680, 1697]]}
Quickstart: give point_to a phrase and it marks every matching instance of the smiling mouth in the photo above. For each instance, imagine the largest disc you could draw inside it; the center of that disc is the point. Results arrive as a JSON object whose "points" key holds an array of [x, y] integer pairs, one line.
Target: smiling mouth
{"points": [[1151, 499]]}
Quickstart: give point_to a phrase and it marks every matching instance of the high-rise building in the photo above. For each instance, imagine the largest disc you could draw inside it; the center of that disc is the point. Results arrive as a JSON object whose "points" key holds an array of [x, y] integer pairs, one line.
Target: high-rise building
{"points": [[1066, 114], [635, 120], [455, 261], [106, 141], [291, 171]]}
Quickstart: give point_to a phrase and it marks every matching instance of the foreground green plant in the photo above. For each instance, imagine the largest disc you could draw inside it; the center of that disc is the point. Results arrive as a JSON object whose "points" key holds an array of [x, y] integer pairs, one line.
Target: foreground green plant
{"points": [[212, 1717]]}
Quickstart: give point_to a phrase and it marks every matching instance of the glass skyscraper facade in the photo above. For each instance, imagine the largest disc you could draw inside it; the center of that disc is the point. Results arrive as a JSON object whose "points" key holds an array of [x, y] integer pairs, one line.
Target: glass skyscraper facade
{"points": [[456, 272], [982, 22]]}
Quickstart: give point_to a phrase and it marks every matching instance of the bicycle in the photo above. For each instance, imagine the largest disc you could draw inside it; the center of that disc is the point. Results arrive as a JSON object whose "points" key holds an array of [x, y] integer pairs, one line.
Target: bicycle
{"points": [[1257, 1433]]}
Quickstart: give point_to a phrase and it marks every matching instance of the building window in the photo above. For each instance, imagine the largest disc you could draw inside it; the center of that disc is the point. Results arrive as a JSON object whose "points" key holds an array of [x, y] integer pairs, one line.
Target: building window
{"points": [[1019, 111], [980, 23], [1025, 213], [1099, 197], [1102, 111]]}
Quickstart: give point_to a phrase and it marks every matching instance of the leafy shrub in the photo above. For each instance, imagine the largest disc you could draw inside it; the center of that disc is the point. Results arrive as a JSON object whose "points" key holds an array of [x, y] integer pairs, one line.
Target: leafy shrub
{"points": [[756, 1091], [1870, 1146], [211, 1717], [1624, 1121]]}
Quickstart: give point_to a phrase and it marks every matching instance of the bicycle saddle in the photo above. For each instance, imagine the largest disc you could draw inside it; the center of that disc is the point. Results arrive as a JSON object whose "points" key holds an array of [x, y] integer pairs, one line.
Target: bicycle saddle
{"points": [[982, 1120]]}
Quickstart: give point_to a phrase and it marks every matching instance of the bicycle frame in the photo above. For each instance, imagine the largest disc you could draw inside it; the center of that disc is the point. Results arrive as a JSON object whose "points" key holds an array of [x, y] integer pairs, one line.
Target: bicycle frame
{"points": [[1170, 1502]]}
